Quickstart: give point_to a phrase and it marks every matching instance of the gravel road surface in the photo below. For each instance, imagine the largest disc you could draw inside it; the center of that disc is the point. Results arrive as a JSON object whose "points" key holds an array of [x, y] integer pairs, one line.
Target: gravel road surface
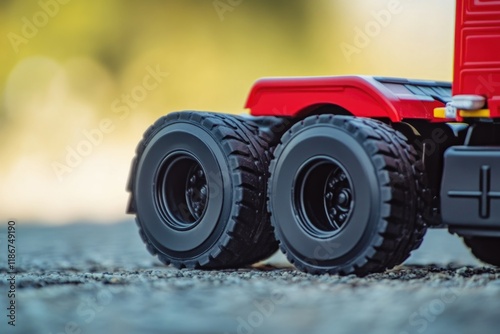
{"points": [[89, 278]]}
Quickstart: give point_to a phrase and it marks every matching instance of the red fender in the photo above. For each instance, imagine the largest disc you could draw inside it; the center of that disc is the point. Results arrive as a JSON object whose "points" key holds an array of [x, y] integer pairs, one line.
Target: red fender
{"points": [[362, 96]]}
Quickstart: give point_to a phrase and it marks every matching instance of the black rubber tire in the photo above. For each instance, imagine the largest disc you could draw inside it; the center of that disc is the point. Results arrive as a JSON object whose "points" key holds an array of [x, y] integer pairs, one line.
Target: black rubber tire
{"points": [[267, 134], [233, 229], [385, 220], [486, 249], [415, 230]]}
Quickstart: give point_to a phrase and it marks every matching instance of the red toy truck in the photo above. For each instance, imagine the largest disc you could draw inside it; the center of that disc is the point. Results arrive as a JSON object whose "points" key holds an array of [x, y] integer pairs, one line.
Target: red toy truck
{"points": [[345, 174]]}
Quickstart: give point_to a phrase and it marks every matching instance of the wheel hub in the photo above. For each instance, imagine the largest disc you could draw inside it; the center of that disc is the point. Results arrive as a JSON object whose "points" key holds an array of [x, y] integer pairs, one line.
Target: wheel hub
{"points": [[323, 213], [338, 198], [196, 191], [181, 191]]}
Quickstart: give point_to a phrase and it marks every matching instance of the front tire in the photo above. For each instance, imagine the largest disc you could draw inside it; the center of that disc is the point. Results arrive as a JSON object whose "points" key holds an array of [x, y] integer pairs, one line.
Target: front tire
{"points": [[486, 249], [198, 186], [343, 195]]}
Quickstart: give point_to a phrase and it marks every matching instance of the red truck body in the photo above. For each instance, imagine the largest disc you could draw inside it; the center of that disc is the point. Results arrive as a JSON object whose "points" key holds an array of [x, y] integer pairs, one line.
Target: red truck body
{"points": [[476, 71]]}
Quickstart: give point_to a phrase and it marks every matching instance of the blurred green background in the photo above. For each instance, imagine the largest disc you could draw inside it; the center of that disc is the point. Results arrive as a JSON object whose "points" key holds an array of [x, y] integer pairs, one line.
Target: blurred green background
{"points": [[73, 93]]}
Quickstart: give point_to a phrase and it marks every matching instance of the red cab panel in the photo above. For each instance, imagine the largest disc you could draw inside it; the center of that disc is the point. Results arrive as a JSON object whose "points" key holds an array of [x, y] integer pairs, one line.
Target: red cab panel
{"points": [[477, 51]]}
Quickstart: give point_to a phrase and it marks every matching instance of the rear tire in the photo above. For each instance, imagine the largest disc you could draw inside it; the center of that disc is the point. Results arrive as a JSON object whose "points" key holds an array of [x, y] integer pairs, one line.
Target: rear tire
{"points": [[344, 196], [198, 186], [486, 249]]}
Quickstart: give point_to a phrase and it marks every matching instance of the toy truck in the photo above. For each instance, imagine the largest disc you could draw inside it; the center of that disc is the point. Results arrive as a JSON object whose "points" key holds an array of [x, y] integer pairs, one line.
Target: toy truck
{"points": [[344, 174]]}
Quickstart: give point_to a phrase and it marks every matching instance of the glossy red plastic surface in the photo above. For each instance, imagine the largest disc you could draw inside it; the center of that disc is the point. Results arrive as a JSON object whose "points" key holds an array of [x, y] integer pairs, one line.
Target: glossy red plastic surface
{"points": [[362, 96], [477, 51]]}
